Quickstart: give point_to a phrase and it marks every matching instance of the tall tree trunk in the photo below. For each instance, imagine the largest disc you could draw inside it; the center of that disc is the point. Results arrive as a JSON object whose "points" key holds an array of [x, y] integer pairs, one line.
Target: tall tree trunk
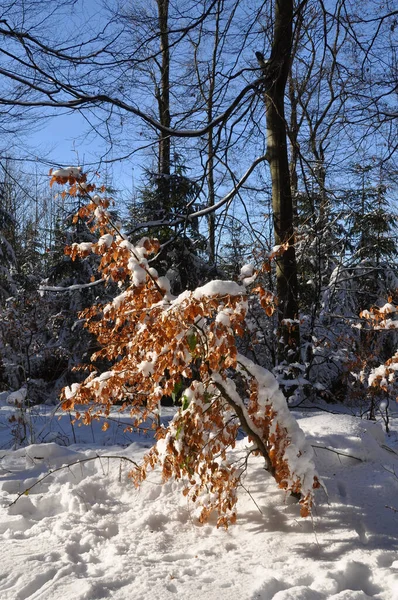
{"points": [[211, 199], [276, 71], [210, 142], [163, 97]]}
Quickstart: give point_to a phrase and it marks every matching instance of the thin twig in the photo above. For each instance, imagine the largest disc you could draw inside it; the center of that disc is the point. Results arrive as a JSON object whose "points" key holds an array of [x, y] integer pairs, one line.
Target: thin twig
{"points": [[251, 496], [337, 452], [392, 471]]}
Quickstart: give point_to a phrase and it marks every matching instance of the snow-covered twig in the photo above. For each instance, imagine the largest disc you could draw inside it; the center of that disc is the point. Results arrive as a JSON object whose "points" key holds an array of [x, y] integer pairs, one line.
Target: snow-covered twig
{"points": [[69, 288]]}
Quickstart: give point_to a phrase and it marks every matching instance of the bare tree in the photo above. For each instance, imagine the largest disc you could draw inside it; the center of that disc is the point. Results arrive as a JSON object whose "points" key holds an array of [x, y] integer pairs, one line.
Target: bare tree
{"points": [[344, 84]]}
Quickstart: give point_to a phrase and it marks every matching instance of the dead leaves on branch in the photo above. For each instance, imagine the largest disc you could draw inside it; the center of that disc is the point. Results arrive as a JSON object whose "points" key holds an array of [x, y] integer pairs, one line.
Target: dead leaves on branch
{"points": [[382, 378]]}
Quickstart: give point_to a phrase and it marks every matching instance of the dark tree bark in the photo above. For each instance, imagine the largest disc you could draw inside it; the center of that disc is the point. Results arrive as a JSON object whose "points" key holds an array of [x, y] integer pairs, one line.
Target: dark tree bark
{"points": [[163, 98], [276, 71]]}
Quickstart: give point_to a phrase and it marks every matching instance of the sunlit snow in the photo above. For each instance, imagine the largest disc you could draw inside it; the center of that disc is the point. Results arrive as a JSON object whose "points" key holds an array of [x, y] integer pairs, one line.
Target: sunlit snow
{"points": [[85, 532]]}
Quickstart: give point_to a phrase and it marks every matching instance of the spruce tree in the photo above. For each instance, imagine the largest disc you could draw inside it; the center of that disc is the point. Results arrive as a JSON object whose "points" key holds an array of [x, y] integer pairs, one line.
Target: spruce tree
{"points": [[152, 213]]}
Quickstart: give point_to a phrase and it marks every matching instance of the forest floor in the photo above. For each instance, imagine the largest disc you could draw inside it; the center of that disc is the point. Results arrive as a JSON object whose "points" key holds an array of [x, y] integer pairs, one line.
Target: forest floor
{"points": [[85, 532]]}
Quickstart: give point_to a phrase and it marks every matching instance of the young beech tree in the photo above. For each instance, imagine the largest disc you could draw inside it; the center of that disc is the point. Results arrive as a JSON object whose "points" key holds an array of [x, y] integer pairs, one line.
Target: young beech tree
{"points": [[157, 344]]}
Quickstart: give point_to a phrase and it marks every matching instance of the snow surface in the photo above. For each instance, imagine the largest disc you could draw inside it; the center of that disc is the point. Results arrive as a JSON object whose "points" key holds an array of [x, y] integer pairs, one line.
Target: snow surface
{"points": [[84, 532]]}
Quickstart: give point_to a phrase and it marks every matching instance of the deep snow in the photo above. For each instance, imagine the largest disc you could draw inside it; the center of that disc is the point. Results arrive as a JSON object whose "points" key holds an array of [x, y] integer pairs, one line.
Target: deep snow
{"points": [[85, 532]]}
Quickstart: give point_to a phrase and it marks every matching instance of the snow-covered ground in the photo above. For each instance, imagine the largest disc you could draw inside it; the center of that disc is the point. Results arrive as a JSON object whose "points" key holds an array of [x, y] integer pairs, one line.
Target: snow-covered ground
{"points": [[84, 532]]}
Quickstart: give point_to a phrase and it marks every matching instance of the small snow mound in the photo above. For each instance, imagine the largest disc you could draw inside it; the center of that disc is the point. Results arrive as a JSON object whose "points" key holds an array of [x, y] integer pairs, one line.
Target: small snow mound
{"points": [[299, 592], [350, 595], [17, 397], [355, 576], [267, 589], [51, 453]]}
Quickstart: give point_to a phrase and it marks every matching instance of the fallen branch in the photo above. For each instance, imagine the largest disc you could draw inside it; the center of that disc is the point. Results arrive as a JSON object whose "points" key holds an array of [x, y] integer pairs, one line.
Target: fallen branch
{"points": [[78, 462]]}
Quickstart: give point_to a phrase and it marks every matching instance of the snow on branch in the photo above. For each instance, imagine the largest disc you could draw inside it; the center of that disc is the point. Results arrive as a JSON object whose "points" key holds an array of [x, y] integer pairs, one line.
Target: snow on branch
{"points": [[69, 288]]}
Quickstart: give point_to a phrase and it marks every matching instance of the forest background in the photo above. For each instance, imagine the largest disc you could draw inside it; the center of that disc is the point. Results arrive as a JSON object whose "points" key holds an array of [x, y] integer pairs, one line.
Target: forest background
{"points": [[260, 134]]}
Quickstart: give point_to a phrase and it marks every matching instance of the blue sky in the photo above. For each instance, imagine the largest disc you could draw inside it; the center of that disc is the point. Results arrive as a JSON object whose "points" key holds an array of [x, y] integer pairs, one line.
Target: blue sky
{"points": [[64, 141]]}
